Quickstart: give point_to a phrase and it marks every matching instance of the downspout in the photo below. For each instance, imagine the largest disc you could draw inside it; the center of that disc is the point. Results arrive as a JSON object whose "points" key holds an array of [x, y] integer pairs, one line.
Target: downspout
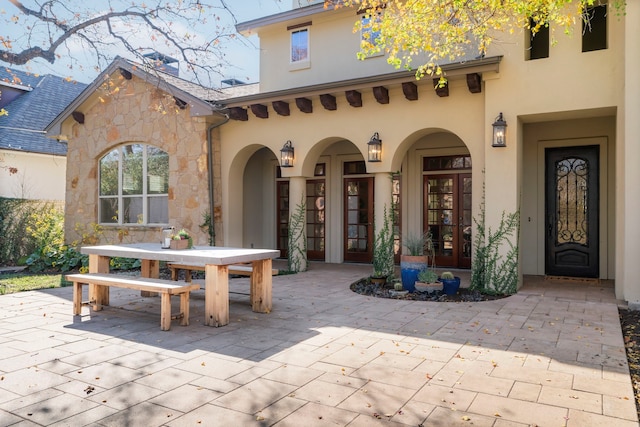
{"points": [[212, 236]]}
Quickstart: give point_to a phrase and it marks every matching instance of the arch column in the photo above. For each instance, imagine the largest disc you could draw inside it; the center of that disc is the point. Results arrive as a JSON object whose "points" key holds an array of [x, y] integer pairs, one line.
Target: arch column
{"points": [[382, 197], [297, 223]]}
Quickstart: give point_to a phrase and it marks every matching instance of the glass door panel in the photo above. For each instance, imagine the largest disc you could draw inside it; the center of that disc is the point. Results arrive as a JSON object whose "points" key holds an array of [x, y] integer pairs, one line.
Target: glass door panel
{"points": [[358, 219], [316, 219]]}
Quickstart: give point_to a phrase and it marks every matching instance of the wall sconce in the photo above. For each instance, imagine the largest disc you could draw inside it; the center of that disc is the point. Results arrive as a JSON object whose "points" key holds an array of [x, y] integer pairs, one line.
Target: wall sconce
{"points": [[286, 155], [375, 148], [499, 132]]}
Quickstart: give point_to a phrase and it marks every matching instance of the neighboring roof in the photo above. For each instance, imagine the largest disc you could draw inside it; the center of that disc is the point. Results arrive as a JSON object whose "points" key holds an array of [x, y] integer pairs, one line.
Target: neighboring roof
{"points": [[23, 128], [201, 99]]}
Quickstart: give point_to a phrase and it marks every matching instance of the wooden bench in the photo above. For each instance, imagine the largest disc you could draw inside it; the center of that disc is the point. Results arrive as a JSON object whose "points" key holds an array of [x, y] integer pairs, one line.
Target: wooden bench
{"points": [[188, 267], [165, 288]]}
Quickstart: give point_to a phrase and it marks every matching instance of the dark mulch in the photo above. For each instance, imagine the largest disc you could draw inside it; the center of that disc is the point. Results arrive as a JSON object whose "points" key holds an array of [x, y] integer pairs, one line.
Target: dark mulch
{"points": [[365, 287], [630, 321]]}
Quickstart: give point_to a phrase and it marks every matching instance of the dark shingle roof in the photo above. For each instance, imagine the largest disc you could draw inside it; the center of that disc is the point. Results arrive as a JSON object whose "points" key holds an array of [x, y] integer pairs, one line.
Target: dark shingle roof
{"points": [[23, 128]]}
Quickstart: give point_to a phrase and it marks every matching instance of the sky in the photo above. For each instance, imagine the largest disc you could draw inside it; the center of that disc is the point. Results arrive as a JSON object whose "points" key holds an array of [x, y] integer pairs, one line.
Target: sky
{"points": [[243, 53]]}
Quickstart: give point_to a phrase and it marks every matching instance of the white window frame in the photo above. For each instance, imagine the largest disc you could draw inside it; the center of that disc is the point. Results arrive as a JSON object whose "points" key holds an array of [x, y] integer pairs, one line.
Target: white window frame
{"points": [[294, 63], [365, 32], [121, 197]]}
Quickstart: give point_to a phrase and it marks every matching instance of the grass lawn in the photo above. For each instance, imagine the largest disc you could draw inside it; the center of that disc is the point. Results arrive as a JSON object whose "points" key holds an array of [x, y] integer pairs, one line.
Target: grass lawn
{"points": [[18, 282]]}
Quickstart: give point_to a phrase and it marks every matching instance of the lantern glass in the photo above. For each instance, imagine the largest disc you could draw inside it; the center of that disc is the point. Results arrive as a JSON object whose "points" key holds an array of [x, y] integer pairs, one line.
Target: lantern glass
{"points": [[499, 132], [375, 148], [286, 155]]}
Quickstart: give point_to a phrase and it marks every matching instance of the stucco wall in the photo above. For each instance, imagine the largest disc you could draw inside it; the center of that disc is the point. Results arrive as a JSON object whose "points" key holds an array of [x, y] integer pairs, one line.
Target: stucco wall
{"points": [[39, 177], [137, 113]]}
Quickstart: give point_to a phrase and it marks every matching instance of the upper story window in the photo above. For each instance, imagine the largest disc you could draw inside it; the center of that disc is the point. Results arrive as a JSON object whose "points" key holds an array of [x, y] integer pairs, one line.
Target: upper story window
{"points": [[538, 41], [134, 186], [370, 30], [594, 28], [300, 45]]}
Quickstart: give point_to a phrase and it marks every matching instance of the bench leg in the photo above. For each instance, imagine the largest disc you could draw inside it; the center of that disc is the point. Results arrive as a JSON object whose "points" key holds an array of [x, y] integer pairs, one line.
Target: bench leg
{"points": [[187, 276], [174, 274], [184, 308], [77, 298], [165, 311]]}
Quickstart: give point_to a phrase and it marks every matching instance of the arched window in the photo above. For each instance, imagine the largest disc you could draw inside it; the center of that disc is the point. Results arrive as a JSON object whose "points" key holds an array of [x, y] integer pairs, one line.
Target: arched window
{"points": [[134, 186]]}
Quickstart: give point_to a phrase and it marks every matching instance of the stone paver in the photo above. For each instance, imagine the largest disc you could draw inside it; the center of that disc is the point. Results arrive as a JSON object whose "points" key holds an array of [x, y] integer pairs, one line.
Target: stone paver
{"points": [[551, 355]]}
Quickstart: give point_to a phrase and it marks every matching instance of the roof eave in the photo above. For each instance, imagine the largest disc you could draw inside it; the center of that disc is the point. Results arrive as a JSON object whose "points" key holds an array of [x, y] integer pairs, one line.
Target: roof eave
{"points": [[481, 65], [198, 106], [247, 27]]}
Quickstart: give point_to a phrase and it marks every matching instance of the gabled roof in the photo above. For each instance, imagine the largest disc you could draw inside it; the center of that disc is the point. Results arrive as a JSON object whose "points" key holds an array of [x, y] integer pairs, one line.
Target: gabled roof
{"points": [[29, 113], [201, 99]]}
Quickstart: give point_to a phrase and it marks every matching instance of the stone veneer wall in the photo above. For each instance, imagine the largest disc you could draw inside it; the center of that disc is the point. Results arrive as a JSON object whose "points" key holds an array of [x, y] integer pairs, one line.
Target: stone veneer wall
{"points": [[134, 111]]}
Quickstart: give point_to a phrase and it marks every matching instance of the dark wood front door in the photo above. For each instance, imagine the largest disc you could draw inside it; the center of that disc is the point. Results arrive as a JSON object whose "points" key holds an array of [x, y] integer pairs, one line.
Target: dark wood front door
{"points": [[447, 215], [572, 215], [358, 219]]}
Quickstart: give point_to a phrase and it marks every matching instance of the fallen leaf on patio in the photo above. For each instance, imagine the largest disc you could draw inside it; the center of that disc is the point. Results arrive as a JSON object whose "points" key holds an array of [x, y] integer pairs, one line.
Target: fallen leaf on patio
{"points": [[376, 415], [292, 395], [381, 353], [259, 418], [497, 415], [202, 364], [97, 378], [574, 397], [429, 377], [466, 418], [89, 389]]}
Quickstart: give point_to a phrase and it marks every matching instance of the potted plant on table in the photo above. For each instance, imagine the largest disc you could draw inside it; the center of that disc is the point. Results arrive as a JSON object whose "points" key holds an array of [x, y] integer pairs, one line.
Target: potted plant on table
{"points": [[181, 240], [450, 283], [419, 248]]}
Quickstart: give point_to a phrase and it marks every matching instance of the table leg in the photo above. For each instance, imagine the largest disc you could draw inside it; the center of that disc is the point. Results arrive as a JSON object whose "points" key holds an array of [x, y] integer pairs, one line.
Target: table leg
{"points": [[149, 268], [98, 295], [261, 286], [216, 295]]}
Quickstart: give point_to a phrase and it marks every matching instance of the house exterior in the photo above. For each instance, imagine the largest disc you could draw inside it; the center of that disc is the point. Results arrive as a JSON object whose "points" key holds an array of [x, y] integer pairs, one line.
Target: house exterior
{"points": [[32, 101], [564, 164]]}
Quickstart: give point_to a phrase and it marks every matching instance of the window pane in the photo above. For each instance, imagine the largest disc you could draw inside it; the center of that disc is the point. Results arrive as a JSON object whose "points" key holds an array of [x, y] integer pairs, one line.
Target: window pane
{"points": [[158, 210], [157, 171], [108, 210], [594, 30], [109, 174], [132, 210], [370, 34], [299, 45], [132, 169]]}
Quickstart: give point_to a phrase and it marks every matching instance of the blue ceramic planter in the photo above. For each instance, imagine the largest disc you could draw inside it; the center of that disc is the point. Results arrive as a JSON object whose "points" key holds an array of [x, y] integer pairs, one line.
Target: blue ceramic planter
{"points": [[450, 286], [410, 267]]}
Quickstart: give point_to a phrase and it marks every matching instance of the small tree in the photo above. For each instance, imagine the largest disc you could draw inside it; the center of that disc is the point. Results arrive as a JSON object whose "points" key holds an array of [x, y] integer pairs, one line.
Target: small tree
{"points": [[383, 245]]}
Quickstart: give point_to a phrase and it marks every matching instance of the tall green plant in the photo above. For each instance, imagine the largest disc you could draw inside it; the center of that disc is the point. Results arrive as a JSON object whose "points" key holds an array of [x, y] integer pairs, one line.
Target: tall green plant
{"points": [[383, 248], [15, 243], [493, 271], [297, 241]]}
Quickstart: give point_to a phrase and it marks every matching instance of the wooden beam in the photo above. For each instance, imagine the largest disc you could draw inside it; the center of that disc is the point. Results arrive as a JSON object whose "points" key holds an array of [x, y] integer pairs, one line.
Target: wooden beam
{"points": [[180, 103], [260, 111], [126, 74], [474, 82], [238, 113], [410, 91], [328, 102], [78, 117], [304, 105], [441, 91], [281, 107], [381, 94], [354, 98]]}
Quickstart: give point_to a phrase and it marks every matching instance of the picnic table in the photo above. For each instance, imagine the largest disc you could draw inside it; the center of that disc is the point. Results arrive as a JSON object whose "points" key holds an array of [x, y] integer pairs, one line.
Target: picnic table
{"points": [[216, 260]]}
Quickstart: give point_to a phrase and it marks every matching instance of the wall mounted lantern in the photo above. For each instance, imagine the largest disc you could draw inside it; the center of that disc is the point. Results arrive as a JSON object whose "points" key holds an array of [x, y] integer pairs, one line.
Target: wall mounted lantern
{"points": [[286, 155], [499, 132], [375, 148]]}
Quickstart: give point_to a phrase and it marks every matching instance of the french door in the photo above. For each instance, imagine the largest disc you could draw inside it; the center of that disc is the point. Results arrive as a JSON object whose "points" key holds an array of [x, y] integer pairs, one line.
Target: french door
{"points": [[358, 219], [448, 216], [572, 216], [316, 219]]}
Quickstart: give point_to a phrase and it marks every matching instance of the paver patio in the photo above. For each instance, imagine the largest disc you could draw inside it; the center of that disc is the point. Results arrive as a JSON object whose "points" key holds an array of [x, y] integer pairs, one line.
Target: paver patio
{"points": [[551, 355]]}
